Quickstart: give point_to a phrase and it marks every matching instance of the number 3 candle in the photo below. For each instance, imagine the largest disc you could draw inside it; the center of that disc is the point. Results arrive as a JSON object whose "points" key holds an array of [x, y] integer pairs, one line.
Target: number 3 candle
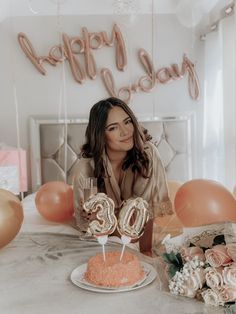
{"points": [[105, 222]]}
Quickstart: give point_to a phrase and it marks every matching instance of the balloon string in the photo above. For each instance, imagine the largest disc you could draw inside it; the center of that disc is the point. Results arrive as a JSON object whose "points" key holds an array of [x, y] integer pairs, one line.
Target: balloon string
{"points": [[168, 224], [66, 116], [122, 252], [62, 94], [18, 139], [103, 252], [153, 45], [61, 90], [153, 30], [17, 120]]}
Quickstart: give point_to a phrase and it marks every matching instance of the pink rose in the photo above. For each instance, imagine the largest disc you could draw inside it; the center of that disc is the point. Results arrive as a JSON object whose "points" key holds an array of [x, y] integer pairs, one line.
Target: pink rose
{"points": [[188, 253], [214, 278], [229, 275], [212, 297], [217, 256], [227, 293], [231, 250]]}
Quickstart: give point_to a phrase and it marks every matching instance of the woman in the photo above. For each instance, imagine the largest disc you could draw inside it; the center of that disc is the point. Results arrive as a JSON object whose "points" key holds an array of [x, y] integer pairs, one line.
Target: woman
{"points": [[126, 164]]}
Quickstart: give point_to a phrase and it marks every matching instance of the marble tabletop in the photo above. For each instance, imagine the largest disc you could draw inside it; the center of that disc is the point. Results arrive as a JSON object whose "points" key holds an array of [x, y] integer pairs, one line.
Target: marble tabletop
{"points": [[35, 273]]}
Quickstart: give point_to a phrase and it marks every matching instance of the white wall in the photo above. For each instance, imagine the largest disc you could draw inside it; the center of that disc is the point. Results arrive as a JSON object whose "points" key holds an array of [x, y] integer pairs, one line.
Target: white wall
{"points": [[40, 95]]}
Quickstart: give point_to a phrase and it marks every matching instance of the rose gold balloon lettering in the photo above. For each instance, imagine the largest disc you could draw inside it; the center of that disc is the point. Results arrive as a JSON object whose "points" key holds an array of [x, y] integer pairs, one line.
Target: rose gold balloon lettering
{"points": [[57, 53], [76, 69], [162, 76], [79, 42], [89, 59], [193, 82], [147, 82], [95, 40], [125, 93], [175, 72], [29, 51], [88, 42], [92, 41], [108, 80], [121, 57]]}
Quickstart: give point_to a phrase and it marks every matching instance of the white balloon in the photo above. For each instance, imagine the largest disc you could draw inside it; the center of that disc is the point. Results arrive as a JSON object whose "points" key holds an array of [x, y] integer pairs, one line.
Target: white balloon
{"points": [[127, 11], [190, 12]]}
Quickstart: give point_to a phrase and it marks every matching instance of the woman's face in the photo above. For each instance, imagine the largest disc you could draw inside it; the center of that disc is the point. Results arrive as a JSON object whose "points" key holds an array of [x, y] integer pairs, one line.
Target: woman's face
{"points": [[119, 131]]}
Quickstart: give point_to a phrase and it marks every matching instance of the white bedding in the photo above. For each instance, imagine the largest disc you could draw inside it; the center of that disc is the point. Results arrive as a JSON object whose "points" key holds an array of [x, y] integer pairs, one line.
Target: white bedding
{"points": [[34, 222]]}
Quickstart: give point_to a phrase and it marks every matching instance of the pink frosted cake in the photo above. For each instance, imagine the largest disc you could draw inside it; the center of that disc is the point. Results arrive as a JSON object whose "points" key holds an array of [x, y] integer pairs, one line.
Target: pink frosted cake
{"points": [[113, 272]]}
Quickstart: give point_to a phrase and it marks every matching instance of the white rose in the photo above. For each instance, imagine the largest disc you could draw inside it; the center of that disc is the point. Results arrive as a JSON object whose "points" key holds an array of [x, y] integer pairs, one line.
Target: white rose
{"points": [[187, 291], [196, 279], [231, 250], [212, 297], [214, 278], [229, 275], [227, 293], [177, 285], [188, 284]]}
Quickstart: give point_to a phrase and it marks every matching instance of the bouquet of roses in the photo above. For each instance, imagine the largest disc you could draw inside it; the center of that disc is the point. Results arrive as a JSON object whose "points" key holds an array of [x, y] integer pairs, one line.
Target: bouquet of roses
{"points": [[208, 274]]}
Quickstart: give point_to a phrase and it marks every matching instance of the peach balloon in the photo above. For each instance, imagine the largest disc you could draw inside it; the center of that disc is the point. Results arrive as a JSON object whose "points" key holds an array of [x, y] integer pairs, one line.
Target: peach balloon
{"points": [[234, 192], [54, 201], [173, 187], [202, 202], [11, 217], [9, 195]]}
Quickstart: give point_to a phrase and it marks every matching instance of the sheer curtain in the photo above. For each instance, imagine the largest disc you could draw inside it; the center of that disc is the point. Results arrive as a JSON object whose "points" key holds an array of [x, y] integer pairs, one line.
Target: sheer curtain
{"points": [[219, 108], [228, 29], [213, 124]]}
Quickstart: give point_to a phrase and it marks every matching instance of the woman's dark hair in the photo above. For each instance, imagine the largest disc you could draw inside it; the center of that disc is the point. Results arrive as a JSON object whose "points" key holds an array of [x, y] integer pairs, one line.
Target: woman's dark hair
{"points": [[95, 139]]}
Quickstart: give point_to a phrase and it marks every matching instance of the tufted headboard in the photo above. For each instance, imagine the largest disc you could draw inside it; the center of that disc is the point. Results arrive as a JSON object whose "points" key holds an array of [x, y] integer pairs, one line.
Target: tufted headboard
{"points": [[55, 147]]}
